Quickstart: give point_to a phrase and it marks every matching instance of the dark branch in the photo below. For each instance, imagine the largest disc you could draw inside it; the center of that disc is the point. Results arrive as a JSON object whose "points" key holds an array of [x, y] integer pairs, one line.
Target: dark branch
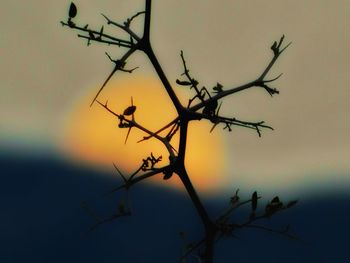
{"points": [[191, 82], [133, 179], [111, 40], [133, 123], [232, 208], [117, 67], [123, 27], [192, 249], [160, 130], [259, 82], [147, 25], [129, 20], [228, 122], [276, 231], [109, 219], [104, 41]]}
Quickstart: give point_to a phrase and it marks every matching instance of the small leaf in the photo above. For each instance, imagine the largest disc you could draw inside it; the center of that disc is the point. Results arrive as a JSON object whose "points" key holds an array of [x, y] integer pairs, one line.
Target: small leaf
{"points": [[72, 10], [275, 205], [292, 203], [218, 88], [218, 85], [275, 200], [254, 201], [183, 83], [129, 110]]}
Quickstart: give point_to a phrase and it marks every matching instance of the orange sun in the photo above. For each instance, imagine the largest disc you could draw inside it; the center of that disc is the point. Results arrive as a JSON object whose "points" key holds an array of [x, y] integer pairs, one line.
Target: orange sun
{"points": [[92, 136]]}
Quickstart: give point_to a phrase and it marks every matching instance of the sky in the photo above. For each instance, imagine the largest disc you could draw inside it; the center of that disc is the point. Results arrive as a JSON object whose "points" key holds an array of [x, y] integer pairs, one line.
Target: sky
{"points": [[48, 75]]}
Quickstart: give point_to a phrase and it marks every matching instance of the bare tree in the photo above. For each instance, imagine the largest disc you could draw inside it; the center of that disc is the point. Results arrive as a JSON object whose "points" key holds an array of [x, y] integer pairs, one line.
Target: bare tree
{"points": [[204, 105]]}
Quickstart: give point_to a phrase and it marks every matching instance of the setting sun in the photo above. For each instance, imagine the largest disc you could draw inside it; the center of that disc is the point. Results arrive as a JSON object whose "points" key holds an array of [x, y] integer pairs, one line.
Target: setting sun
{"points": [[92, 135]]}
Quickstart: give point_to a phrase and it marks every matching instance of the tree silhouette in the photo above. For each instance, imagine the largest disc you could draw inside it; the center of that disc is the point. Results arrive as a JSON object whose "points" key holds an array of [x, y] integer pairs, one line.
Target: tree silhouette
{"points": [[204, 105]]}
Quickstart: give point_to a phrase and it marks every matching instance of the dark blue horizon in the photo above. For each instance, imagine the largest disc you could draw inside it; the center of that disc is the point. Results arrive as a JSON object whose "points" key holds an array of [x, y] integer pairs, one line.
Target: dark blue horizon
{"points": [[42, 220]]}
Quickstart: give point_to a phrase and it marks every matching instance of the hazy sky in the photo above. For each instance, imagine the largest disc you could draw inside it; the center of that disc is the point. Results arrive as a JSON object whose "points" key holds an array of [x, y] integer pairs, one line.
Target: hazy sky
{"points": [[46, 69]]}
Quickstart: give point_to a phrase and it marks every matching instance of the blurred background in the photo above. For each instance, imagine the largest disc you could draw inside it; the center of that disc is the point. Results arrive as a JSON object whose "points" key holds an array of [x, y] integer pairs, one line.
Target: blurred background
{"points": [[56, 151]]}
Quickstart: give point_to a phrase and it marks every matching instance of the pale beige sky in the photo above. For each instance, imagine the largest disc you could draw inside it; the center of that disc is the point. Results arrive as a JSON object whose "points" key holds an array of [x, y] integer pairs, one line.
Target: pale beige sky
{"points": [[45, 69]]}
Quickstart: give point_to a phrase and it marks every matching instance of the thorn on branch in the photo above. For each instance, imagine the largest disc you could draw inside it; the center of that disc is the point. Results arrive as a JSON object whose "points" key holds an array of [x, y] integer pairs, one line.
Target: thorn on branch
{"points": [[127, 112], [127, 135], [276, 78], [120, 173], [100, 34]]}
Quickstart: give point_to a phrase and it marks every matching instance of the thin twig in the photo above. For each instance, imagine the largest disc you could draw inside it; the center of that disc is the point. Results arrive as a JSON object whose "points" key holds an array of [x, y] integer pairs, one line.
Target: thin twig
{"points": [[123, 27], [133, 123], [160, 130], [122, 42], [281, 232], [140, 178], [233, 208], [256, 83], [116, 68]]}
